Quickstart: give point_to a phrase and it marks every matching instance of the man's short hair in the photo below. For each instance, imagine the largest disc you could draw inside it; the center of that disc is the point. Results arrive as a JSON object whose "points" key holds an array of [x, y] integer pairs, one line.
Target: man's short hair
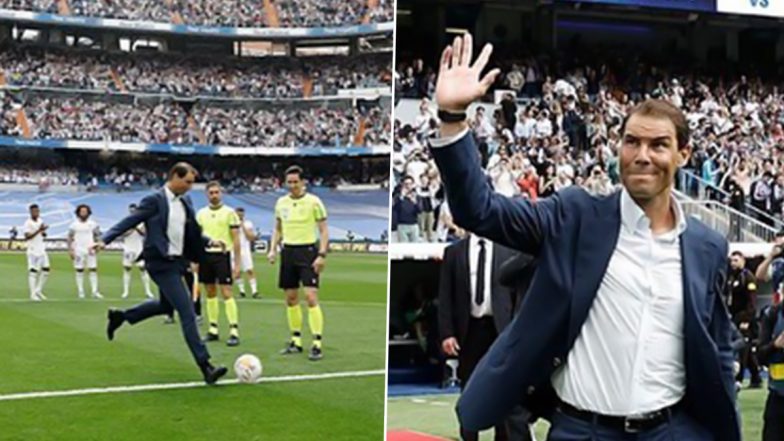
{"points": [[666, 110], [241, 209], [181, 169], [213, 184], [780, 233], [32, 206], [134, 206], [737, 254], [294, 170]]}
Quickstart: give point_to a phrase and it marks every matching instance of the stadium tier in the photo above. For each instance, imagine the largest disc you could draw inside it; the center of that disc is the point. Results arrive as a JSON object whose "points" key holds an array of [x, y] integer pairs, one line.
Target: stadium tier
{"points": [[363, 213], [279, 77], [226, 13]]}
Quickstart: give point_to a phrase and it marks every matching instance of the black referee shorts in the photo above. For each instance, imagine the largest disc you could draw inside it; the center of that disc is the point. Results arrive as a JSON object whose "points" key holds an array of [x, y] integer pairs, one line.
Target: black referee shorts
{"points": [[296, 267], [215, 269]]}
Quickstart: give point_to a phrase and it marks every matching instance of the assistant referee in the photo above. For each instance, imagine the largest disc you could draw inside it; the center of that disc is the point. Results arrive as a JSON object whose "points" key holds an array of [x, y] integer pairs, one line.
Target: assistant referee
{"points": [[220, 222], [297, 215]]}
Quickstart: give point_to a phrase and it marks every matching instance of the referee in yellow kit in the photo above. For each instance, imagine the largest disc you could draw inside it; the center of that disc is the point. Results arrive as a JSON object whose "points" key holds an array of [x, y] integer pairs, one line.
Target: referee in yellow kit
{"points": [[220, 223], [297, 215]]}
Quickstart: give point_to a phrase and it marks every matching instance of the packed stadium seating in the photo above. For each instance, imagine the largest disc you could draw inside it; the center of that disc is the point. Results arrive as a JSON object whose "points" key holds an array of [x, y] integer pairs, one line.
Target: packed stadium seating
{"points": [[269, 78], [233, 13]]}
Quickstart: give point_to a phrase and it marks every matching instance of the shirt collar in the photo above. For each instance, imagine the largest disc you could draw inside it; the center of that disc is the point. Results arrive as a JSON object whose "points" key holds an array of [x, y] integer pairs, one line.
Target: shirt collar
{"points": [[635, 220], [170, 196], [474, 241]]}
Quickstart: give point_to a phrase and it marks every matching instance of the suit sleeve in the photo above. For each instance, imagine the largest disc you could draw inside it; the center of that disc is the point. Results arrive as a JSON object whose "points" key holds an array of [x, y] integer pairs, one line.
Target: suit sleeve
{"points": [[515, 223], [146, 209], [445, 296]]}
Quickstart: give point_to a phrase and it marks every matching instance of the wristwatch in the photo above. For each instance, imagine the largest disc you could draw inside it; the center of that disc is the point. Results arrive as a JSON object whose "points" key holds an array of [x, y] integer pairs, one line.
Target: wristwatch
{"points": [[323, 255], [451, 117]]}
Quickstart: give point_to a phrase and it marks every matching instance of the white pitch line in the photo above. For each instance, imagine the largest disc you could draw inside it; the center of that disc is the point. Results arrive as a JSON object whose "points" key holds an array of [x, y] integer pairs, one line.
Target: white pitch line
{"points": [[137, 300], [186, 385]]}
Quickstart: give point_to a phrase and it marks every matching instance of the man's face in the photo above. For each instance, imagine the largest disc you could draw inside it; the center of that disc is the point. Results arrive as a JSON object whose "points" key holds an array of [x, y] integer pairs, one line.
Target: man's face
{"points": [[408, 184], [83, 213], [737, 262], [241, 214], [181, 185], [214, 195], [294, 183], [35, 212], [649, 156], [131, 209]]}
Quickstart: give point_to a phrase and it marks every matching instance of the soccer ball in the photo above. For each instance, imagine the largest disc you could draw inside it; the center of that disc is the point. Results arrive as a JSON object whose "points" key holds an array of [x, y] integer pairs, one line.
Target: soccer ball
{"points": [[248, 368]]}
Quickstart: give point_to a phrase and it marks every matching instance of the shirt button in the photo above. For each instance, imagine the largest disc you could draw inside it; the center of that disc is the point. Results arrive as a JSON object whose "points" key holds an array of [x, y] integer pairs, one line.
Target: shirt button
{"points": [[531, 390]]}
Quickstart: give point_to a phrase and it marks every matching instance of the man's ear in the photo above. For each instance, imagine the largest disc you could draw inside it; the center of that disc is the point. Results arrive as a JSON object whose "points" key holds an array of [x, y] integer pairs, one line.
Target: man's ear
{"points": [[684, 155]]}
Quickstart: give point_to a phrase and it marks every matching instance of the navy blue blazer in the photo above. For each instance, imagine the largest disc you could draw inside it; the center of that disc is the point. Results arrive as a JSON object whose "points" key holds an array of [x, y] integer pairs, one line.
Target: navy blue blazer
{"points": [[153, 211], [573, 235]]}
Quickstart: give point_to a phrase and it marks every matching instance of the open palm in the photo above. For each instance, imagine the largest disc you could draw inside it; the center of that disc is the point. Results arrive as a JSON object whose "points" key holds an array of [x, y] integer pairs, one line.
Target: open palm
{"points": [[459, 82]]}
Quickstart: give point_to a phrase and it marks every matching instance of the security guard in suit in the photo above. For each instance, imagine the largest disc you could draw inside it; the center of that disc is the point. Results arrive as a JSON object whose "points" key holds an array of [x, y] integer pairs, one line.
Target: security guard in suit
{"points": [[741, 296]]}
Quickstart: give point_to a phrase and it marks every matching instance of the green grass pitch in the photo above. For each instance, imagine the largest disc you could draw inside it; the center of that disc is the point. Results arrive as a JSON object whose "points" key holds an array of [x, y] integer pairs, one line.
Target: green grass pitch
{"points": [[61, 345], [434, 415]]}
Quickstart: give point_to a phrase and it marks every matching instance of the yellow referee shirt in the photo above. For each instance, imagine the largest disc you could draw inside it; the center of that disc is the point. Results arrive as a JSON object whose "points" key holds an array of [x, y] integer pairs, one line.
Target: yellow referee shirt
{"points": [[217, 224], [298, 218]]}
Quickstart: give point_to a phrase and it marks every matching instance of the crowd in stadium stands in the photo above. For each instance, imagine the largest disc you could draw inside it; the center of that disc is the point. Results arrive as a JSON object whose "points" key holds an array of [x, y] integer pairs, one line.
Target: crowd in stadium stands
{"points": [[129, 172], [565, 130], [234, 13], [77, 118], [38, 176], [274, 78]]}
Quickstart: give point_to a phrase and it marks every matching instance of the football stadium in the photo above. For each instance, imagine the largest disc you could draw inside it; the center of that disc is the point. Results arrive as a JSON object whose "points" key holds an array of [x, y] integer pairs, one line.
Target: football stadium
{"points": [[551, 120], [98, 101]]}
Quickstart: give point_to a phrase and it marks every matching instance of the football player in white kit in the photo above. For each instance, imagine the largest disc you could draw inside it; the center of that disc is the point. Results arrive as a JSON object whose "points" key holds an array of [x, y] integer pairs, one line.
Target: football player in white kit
{"points": [[133, 243], [82, 235], [34, 231], [247, 238]]}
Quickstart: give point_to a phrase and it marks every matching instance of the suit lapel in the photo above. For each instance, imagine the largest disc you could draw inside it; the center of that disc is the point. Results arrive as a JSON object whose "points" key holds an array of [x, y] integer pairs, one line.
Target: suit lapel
{"points": [[599, 230], [694, 252], [164, 209]]}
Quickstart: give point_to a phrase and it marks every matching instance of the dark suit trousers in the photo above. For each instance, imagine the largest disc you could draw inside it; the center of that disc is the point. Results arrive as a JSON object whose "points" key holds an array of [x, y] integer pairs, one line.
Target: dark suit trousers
{"points": [[173, 295], [681, 428], [480, 336]]}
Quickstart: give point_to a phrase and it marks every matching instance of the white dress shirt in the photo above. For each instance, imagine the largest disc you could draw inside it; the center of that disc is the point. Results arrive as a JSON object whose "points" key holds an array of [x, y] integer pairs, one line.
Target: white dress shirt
{"points": [[486, 308], [629, 356], [176, 228]]}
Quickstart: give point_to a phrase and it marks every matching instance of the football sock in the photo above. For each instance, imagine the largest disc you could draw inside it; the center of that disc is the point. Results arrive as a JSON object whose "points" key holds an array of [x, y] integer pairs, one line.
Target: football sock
{"points": [[212, 314], [231, 315], [316, 322], [294, 314]]}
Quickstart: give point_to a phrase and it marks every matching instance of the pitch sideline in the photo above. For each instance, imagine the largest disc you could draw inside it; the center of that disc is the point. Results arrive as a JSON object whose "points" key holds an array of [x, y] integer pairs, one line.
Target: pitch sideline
{"points": [[184, 385]]}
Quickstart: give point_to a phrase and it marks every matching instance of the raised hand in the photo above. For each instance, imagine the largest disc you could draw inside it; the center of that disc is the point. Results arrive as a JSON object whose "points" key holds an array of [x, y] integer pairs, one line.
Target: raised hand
{"points": [[459, 83]]}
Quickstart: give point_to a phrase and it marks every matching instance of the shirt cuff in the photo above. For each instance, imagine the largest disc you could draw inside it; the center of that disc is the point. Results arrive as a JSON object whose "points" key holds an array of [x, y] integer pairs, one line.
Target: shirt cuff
{"points": [[437, 143]]}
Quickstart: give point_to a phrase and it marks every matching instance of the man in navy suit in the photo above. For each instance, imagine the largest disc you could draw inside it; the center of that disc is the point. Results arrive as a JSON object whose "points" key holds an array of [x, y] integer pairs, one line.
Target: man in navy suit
{"points": [[623, 334], [173, 238]]}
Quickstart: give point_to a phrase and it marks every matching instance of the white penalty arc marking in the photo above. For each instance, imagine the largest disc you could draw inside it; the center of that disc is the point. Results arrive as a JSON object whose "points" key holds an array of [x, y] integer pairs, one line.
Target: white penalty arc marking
{"points": [[185, 385]]}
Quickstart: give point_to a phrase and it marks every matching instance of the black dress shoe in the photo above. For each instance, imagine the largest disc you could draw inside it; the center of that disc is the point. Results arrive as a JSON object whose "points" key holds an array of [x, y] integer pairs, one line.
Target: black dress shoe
{"points": [[212, 373], [116, 319]]}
